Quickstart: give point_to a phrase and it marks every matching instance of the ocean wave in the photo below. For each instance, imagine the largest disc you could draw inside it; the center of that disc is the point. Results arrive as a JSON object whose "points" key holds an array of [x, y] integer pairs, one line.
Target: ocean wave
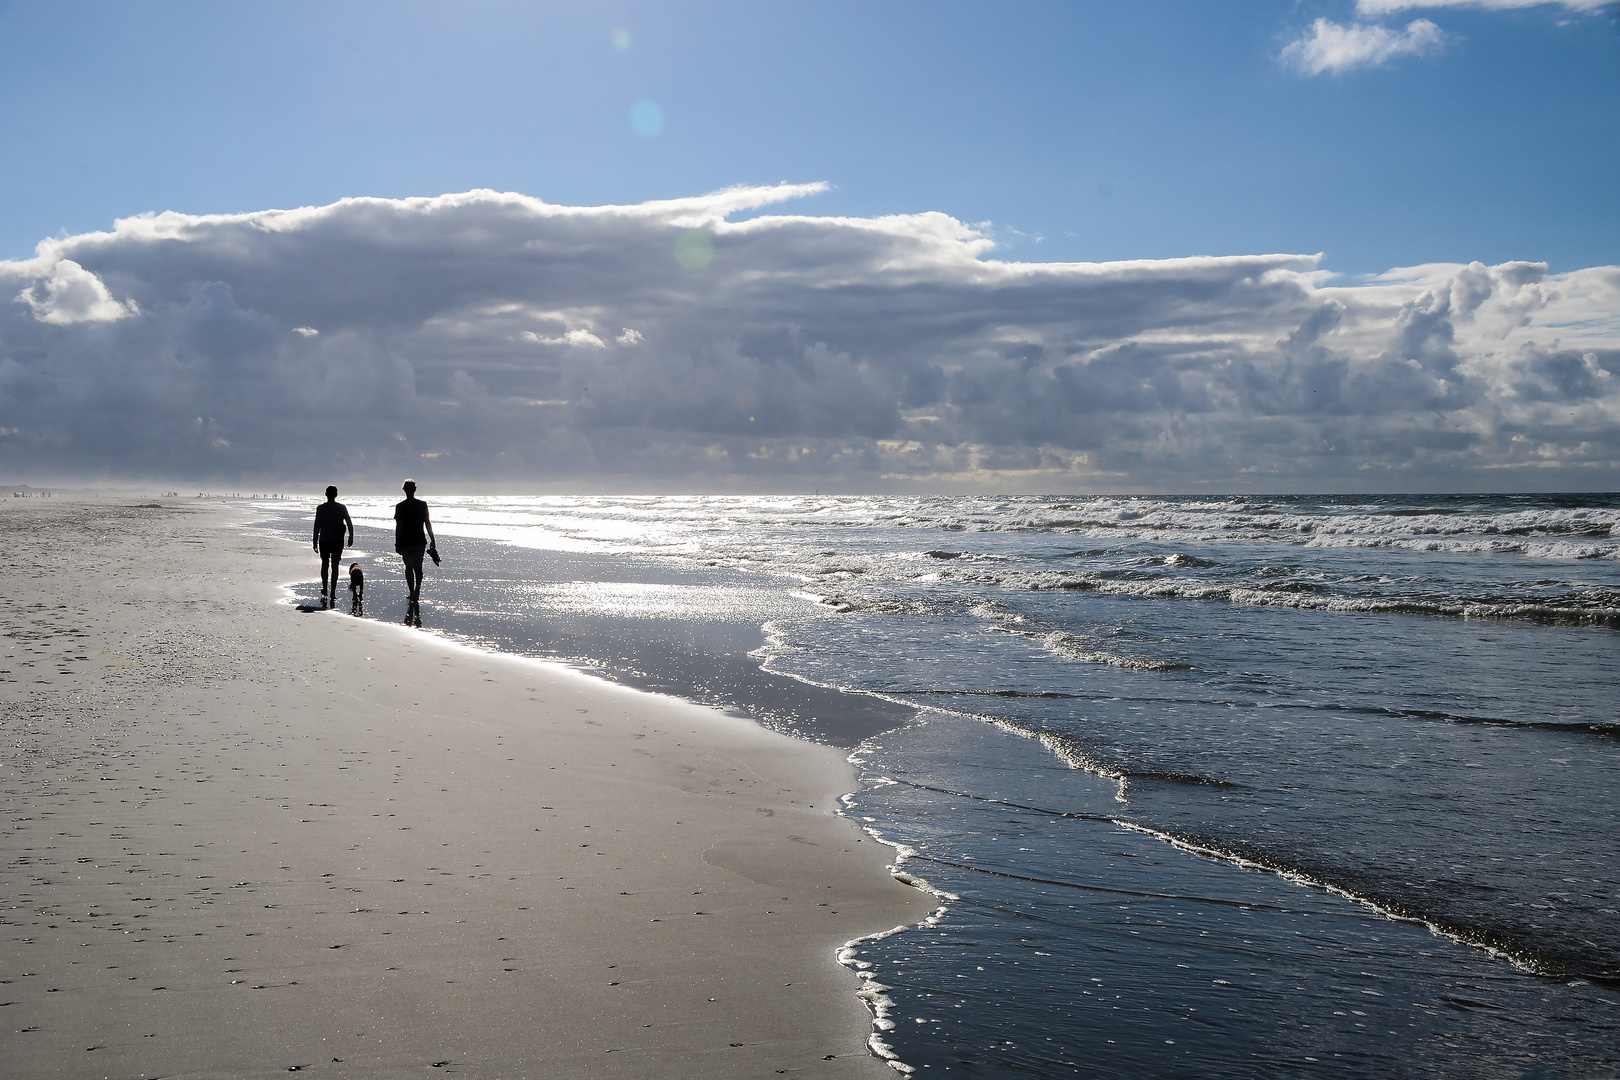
{"points": [[1553, 550], [882, 604], [1498, 943], [997, 612], [984, 693], [604, 516], [1307, 597], [1493, 942], [1346, 523], [1601, 728], [1072, 646], [1075, 754], [825, 571]]}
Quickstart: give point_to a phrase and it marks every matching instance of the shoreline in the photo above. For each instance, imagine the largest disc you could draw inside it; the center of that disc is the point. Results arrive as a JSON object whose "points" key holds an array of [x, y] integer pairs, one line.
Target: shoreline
{"points": [[621, 617], [203, 880], [1238, 860]]}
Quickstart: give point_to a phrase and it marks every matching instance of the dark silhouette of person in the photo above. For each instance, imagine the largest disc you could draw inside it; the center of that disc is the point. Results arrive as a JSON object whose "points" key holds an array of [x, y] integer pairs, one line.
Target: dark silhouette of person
{"points": [[410, 519], [331, 520]]}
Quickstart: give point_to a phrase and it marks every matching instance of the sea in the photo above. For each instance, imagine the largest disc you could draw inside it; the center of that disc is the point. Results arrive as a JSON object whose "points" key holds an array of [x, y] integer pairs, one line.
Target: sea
{"points": [[1207, 786]]}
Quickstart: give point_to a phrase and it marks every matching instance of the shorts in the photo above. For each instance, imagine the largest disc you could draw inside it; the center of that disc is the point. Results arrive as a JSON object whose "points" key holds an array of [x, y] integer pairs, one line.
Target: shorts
{"points": [[333, 548], [412, 556]]}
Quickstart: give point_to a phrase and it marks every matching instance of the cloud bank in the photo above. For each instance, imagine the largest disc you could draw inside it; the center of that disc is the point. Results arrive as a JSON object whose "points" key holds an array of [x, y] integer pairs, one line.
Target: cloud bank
{"points": [[494, 339]]}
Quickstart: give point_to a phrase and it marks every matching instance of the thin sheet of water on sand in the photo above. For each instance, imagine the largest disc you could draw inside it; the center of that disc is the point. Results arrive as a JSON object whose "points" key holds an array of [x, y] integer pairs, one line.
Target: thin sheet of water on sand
{"points": [[684, 630]]}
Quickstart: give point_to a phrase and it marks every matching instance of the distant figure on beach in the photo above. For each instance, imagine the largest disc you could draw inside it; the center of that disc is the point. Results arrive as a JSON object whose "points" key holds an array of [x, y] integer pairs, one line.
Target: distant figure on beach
{"points": [[331, 520], [410, 519]]}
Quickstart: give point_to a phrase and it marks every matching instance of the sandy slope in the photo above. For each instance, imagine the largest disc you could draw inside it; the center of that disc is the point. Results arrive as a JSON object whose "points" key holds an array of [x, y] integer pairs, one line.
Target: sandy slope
{"points": [[238, 840]]}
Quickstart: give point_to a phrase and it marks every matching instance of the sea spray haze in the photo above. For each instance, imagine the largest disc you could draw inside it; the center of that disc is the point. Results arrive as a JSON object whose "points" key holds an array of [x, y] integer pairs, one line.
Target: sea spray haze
{"points": [[1233, 785]]}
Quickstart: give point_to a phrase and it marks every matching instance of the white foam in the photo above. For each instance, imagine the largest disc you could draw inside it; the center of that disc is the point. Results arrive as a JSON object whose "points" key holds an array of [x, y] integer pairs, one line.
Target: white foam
{"points": [[873, 993]]}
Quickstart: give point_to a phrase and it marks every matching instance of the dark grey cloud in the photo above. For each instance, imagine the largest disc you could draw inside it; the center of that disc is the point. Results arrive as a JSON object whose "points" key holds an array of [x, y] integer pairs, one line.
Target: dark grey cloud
{"points": [[489, 338]]}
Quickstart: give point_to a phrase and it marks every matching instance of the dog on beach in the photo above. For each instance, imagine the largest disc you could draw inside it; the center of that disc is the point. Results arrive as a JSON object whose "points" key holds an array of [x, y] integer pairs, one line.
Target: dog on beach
{"points": [[357, 583]]}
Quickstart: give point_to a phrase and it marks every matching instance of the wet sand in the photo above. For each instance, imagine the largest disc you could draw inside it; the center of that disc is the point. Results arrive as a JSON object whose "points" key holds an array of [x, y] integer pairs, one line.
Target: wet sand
{"points": [[239, 840]]}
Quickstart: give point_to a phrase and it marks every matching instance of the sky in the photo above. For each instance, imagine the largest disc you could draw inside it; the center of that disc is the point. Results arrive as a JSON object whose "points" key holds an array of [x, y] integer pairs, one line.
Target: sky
{"points": [[1159, 246]]}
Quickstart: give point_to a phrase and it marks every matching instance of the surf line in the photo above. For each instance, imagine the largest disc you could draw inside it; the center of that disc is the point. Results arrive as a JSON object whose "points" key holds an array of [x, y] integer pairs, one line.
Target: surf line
{"points": [[1077, 815], [1457, 935], [1245, 904]]}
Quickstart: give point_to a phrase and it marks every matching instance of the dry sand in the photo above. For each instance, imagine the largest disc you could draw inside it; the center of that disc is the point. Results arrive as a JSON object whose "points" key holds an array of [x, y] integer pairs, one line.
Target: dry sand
{"points": [[239, 841]]}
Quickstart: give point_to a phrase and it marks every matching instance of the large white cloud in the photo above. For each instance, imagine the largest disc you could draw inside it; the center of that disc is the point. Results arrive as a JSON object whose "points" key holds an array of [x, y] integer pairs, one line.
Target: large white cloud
{"points": [[494, 338]]}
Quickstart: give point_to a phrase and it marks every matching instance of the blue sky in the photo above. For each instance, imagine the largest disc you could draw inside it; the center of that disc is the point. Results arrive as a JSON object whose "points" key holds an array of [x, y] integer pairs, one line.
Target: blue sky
{"points": [[1107, 130]]}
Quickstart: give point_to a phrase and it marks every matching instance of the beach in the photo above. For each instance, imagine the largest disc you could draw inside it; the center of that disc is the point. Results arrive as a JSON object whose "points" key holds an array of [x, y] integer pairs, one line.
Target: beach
{"points": [[1192, 784], [1200, 778], [242, 840]]}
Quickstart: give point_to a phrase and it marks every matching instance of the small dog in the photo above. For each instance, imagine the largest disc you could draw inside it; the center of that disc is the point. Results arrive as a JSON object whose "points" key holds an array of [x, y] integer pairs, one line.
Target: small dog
{"points": [[357, 583]]}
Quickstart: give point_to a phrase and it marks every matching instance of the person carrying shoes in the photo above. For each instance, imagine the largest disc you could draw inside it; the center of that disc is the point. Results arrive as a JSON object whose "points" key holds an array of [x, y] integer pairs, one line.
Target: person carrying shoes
{"points": [[410, 519]]}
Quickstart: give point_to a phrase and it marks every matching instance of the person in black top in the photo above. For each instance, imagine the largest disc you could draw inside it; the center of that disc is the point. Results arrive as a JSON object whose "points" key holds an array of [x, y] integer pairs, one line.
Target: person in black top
{"points": [[331, 520], [410, 518]]}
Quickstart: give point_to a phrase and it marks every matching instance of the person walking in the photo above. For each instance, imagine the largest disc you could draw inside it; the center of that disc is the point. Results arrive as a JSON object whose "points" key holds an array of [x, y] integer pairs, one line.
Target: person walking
{"points": [[331, 519], [410, 519]]}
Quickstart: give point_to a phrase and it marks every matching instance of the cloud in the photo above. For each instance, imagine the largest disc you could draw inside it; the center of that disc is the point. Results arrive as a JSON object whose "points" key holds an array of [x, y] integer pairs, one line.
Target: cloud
{"points": [[486, 339], [572, 337], [1372, 9], [1331, 48], [68, 293]]}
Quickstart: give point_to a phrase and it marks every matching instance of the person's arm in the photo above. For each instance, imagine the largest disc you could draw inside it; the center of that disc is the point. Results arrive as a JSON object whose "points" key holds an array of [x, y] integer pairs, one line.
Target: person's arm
{"points": [[432, 543], [349, 521], [315, 542]]}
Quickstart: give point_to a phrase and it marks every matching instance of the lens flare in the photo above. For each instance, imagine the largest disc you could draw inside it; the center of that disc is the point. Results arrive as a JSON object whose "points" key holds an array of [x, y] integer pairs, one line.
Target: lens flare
{"points": [[694, 249], [646, 118], [621, 39]]}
